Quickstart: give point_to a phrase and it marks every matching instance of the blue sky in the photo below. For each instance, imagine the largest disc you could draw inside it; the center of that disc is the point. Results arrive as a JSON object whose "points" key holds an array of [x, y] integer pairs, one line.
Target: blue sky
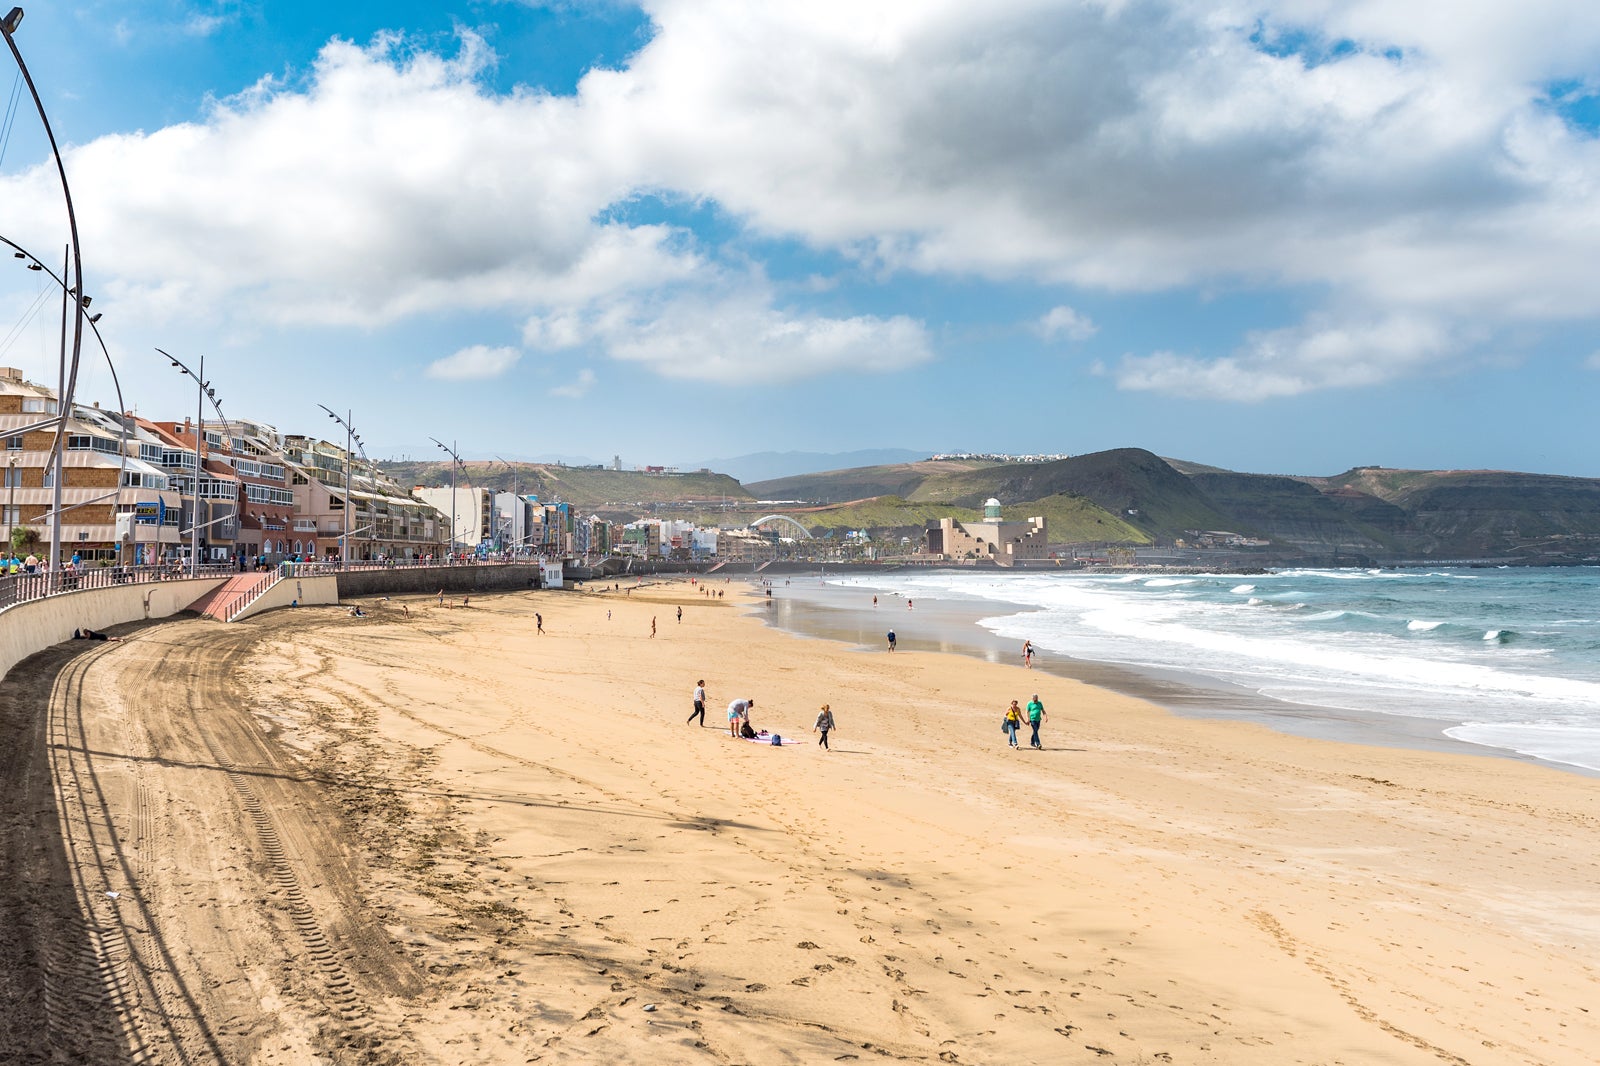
{"points": [[1283, 237]]}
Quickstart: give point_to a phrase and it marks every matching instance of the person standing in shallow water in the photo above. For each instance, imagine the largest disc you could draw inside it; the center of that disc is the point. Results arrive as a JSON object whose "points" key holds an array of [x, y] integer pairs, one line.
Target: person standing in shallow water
{"points": [[824, 724], [891, 640]]}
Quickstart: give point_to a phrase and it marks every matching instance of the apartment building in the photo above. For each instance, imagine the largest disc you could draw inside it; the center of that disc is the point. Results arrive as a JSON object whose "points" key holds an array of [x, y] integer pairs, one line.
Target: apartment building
{"points": [[211, 502], [106, 472], [386, 521]]}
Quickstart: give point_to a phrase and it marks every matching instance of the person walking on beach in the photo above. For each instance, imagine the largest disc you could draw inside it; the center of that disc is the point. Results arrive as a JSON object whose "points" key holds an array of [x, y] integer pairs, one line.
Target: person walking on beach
{"points": [[891, 640], [1036, 718], [680, 614], [738, 711], [699, 704], [824, 723], [652, 627], [538, 621], [1012, 723], [1027, 655]]}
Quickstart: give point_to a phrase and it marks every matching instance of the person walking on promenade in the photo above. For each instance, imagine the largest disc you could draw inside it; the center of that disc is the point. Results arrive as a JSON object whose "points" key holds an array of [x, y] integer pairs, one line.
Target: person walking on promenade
{"points": [[1012, 723], [738, 710], [891, 640], [824, 724], [1036, 718], [699, 704]]}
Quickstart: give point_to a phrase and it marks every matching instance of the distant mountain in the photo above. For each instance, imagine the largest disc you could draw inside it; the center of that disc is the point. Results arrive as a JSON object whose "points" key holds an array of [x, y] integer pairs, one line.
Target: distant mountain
{"points": [[767, 466]]}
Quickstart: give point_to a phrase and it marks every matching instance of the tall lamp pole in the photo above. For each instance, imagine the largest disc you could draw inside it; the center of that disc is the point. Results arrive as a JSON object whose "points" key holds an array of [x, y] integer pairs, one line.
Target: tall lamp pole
{"points": [[203, 390], [8, 28], [349, 436], [516, 526], [455, 461]]}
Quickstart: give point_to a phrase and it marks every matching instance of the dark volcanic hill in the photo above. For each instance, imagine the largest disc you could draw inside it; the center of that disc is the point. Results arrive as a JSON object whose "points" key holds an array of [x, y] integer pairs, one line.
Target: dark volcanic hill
{"points": [[1137, 486]]}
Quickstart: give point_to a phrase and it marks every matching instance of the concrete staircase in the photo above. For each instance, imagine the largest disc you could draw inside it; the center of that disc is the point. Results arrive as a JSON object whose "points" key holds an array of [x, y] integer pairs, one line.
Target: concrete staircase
{"points": [[221, 602]]}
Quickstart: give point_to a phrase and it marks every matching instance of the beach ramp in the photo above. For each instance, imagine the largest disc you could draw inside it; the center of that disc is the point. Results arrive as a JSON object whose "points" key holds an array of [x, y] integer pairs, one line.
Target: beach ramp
{"points": [[220, 602]]}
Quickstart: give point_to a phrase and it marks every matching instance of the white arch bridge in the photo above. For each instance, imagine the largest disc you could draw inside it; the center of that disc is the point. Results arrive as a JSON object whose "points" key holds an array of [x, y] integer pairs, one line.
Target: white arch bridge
{"points": [[805, 534]]}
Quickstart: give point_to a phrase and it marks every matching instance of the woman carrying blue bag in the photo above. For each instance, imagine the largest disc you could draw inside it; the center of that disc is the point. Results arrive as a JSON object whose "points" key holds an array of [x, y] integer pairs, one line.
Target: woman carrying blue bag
{"points": [[1012, 722]]}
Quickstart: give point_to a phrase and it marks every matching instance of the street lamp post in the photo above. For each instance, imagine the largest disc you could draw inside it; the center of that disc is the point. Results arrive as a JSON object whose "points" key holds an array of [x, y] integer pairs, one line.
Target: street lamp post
{"points": [[203, 390], [516, 481], [455, 461], [8, 28], [349, 437]]}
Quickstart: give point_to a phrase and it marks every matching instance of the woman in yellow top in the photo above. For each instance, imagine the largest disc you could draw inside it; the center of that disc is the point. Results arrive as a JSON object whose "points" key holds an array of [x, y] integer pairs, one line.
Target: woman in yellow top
{"points": [[1012, 723]]}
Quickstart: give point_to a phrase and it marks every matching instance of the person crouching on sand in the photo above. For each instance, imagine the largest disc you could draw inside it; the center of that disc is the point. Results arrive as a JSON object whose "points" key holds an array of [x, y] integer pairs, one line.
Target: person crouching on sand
{"points": [[738, 710]]}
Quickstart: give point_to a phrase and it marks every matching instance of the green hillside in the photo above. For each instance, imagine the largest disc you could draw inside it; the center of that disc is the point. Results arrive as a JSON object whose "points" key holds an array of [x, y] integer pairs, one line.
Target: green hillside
{"points": [[860, 483], [585, 487], [1137, 486]]}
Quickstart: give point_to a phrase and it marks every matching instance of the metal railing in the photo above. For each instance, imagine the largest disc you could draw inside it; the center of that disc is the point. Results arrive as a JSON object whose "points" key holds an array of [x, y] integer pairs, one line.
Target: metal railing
{"points": [[22, 587], [250, 595]]}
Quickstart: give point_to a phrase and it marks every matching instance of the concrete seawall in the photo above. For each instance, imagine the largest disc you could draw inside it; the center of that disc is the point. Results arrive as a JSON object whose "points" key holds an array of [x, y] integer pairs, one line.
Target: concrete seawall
{"points": [[413, 581], [30, 627], [26, 628]]}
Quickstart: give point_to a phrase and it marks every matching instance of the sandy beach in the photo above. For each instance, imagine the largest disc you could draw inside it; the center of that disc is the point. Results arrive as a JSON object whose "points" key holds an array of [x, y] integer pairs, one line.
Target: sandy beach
{"points": [[439, 836]]}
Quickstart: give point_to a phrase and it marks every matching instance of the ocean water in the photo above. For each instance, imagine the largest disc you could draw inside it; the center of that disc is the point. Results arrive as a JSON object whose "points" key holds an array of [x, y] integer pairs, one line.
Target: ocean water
{"points": [[1512, 656]]}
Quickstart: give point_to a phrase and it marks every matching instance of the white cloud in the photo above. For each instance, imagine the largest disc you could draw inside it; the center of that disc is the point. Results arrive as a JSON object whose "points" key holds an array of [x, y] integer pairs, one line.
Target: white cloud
{"points": [[1105, 144], [735, 338], [1063, 321], [474, 364], [1321, 354], [578, 389], [1593, 362]]}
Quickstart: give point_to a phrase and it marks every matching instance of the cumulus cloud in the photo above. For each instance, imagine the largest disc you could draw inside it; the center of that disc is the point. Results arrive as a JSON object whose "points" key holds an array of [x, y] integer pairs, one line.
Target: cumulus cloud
{"points": [[1063, 321], [1288, 362], [474, 364], [737, 338], [1410, 162]]}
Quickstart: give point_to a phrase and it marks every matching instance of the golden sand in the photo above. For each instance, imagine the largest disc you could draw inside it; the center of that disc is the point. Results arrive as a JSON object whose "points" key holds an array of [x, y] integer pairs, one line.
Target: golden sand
{"points": [[576, 874]]}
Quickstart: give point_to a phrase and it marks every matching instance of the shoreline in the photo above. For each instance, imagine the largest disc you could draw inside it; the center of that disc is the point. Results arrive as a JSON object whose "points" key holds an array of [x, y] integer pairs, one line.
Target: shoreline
{"points": [[953, 626]]}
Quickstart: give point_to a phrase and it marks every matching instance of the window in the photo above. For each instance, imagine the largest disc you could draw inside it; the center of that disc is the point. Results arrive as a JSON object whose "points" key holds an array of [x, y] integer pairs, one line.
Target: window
{"points": [[86, 443], [38, 405], [13, 477]]}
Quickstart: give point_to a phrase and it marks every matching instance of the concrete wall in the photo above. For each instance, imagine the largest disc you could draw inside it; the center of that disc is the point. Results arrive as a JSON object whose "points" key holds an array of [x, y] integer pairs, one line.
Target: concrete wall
{"points": [[30, 627], [353, 584], [291, 590]]}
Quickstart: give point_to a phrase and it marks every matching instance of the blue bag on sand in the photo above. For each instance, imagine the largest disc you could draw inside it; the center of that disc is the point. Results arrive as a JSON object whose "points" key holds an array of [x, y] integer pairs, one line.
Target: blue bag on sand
{"points": [[776, 740]]}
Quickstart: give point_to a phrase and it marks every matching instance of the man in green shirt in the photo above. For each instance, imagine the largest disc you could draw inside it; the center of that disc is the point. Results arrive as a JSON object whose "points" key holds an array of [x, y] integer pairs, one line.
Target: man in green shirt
{"points": [[1036, 717]]}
